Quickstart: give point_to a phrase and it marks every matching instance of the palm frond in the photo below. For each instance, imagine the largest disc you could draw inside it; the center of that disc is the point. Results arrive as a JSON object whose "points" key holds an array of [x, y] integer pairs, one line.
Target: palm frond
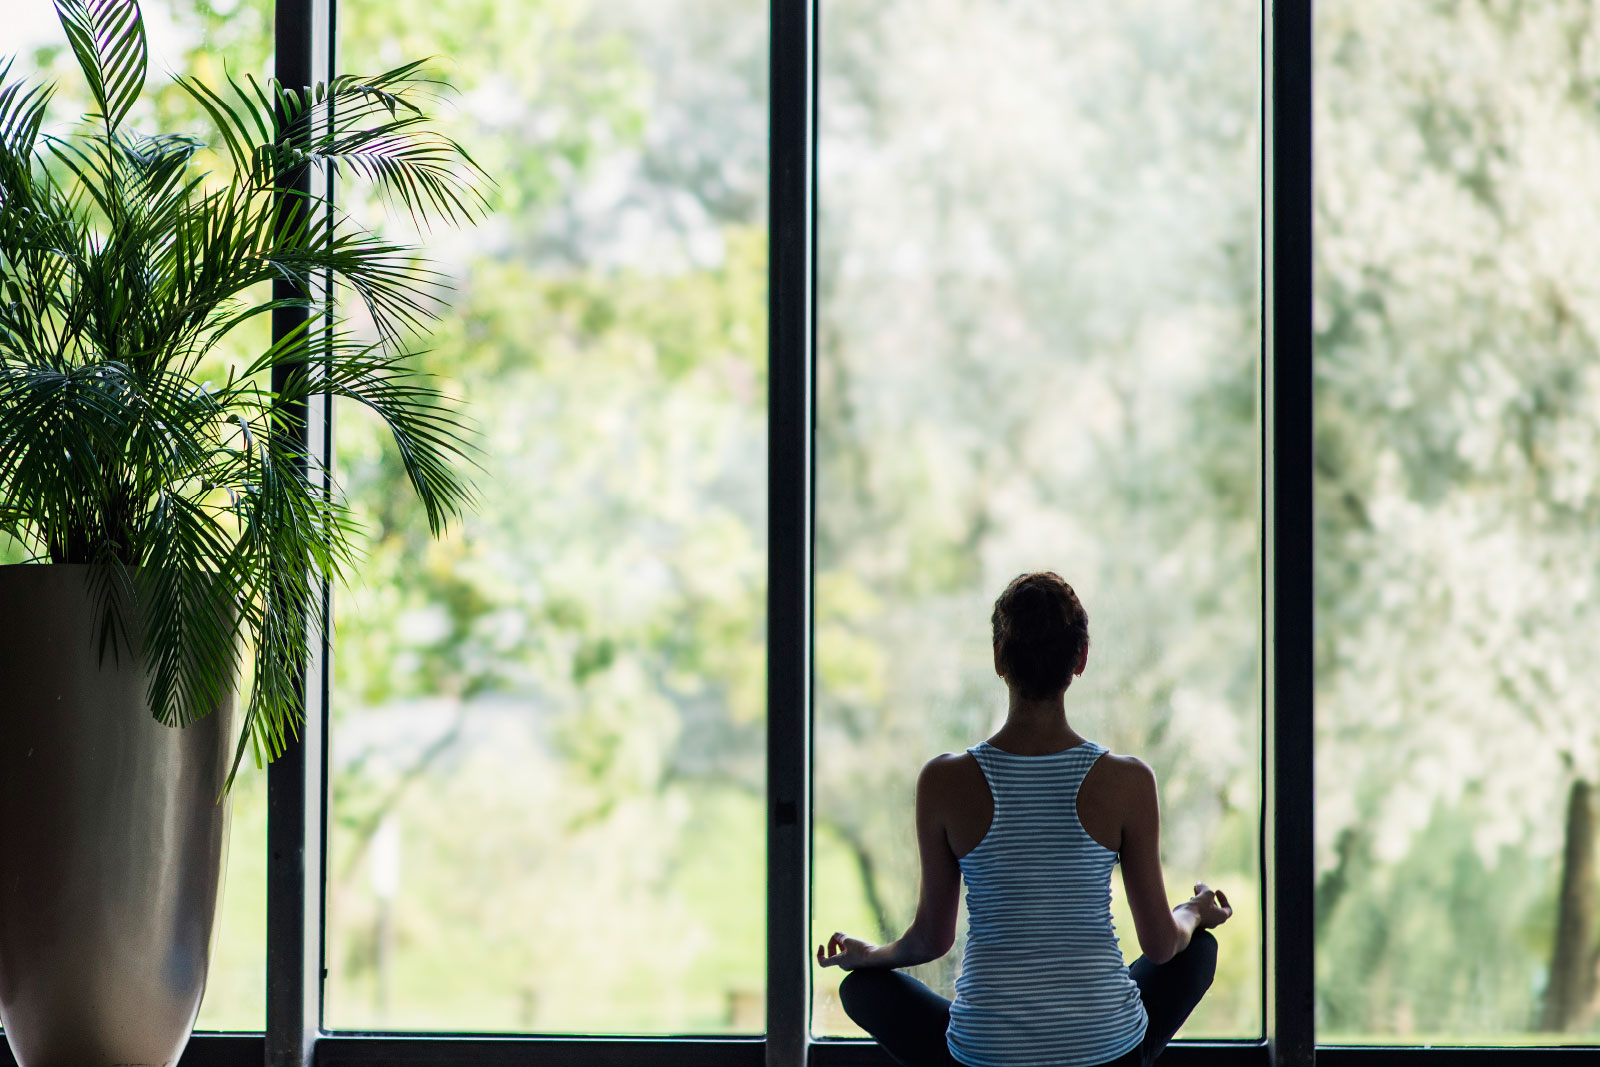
{"points": [[107, 37], [371, 127], [433, 444], [22, 111], [189, 581]]}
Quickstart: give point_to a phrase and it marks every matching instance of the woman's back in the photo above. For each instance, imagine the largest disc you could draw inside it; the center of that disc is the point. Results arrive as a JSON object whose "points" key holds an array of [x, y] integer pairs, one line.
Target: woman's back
{"points": [[1042, 979]]}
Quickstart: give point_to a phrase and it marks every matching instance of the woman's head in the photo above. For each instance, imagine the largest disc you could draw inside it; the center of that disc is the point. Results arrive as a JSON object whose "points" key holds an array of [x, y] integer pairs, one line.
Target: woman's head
{"points": [[1041, 634]]}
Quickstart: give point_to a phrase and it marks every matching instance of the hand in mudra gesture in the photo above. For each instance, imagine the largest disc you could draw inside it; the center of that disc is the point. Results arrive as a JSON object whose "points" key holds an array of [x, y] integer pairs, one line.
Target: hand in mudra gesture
{"points": [[841, 951], [1211, 905]]}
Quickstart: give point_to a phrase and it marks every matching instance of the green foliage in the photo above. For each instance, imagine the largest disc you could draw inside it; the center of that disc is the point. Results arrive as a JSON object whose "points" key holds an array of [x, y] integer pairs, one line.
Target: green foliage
{"points": [[1475, 930], [124, 267]]}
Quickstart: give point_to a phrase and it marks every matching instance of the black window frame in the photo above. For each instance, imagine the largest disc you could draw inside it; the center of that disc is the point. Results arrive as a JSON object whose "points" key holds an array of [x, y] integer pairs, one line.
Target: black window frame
{"points": [[304, 32]]}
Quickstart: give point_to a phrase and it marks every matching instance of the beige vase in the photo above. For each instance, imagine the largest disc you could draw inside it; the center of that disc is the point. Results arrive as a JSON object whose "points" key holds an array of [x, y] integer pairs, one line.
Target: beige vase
{"points": [[112, 840]]}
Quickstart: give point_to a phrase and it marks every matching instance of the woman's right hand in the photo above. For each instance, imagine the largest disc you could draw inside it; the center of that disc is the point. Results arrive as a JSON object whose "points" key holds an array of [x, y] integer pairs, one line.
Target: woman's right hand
{"points": [[846, 952], [1211, 905]]}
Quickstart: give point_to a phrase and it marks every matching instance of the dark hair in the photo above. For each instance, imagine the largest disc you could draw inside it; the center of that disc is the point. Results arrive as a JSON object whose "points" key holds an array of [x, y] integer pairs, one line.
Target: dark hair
{"points": [[1040, 631]]}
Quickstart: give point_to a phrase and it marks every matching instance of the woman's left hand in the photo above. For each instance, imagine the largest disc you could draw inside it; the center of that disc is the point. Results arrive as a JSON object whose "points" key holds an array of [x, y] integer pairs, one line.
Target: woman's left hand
{"points": [[842, 951], [1211, 905]]}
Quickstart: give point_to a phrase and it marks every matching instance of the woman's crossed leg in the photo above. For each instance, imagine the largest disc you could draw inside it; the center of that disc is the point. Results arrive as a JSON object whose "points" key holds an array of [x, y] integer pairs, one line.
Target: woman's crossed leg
{"points": [[909, 1020]]}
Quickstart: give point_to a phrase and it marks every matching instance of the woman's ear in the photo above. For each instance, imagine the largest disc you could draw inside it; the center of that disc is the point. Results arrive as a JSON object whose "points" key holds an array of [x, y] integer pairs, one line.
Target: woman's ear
{"points": [[1083, 659], [997, 669]]}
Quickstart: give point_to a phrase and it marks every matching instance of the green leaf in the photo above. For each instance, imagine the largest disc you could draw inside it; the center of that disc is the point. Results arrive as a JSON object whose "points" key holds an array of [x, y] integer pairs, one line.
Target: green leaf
{"points": [[107, 37]]}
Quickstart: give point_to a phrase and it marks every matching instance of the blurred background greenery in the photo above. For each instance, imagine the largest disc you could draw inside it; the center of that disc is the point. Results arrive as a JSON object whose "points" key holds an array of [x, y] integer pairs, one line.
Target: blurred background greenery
{"points": [[1037, 330]]}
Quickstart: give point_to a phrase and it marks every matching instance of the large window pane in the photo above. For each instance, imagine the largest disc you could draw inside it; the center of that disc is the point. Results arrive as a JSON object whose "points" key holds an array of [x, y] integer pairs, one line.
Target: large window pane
{"points": [[548, 741], [1458, 460], [204, 40], [1038, 348]]}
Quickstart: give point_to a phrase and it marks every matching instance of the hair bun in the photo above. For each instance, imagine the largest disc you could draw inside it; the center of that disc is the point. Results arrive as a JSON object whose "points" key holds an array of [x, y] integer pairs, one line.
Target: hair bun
{"points": [[1040, 633]]}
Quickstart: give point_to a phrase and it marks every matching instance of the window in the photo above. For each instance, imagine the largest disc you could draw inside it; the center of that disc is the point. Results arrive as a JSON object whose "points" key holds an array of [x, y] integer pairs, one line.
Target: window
{"points": [[547, 737], [1458, 435], [1037, 348]]}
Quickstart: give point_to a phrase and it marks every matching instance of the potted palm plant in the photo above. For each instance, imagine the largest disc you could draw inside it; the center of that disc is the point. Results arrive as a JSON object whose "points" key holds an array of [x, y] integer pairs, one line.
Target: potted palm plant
{"points": [[180, 530]]}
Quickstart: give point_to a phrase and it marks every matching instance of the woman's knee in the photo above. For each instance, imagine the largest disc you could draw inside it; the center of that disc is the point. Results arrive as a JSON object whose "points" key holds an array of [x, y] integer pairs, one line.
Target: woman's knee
{"points": [[857, 994], [1201, 957]]}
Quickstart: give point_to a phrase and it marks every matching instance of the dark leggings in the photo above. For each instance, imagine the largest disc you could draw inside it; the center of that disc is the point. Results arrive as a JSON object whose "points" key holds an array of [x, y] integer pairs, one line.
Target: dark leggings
{"points": [[909, 1020]]}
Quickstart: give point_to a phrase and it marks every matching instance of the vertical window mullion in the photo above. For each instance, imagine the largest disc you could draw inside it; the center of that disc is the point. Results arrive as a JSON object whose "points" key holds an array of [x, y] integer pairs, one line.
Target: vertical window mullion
{"points": [[1287, 534], [324, 51], [791, 292], [294, 797]]}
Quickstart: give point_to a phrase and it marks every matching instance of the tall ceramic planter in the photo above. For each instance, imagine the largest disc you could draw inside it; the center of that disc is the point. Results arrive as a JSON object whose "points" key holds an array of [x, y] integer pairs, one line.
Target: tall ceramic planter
{"points": [[111, 840]]}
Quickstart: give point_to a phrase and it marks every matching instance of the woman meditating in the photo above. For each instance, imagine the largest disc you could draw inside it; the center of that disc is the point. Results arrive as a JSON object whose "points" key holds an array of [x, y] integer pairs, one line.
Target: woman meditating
{"points": [[1034, 819]]}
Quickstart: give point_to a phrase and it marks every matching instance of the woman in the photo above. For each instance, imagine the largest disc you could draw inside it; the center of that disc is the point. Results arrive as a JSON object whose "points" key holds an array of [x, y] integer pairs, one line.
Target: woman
{"points": [[1034, 819]]}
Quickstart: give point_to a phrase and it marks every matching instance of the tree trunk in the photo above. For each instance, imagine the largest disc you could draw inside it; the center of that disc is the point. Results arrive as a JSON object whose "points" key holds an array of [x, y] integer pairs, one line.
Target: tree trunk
{"points": [[868, 869], [1331, 887], [1571, 986]]}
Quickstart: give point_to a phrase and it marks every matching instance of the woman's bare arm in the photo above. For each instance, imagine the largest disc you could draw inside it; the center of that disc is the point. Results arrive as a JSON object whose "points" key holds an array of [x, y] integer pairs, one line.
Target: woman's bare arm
{"points": [[933, 931], [1163, 931]]}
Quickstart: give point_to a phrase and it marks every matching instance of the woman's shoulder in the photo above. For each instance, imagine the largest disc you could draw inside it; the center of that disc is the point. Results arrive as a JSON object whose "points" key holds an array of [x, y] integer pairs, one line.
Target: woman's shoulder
{"points": [[1132, 766], [949, 764], [1123, 777], [951, 774], [953, 795]]}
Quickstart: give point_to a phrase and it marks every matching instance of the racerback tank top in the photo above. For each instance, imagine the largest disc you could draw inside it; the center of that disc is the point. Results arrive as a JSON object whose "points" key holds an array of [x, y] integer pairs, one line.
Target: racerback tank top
{"points": [[1042, 979]]}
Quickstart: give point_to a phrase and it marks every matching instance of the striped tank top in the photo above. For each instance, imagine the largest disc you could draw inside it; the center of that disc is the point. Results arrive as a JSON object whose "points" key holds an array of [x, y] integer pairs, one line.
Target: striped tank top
{"points": [[1042, 979]]}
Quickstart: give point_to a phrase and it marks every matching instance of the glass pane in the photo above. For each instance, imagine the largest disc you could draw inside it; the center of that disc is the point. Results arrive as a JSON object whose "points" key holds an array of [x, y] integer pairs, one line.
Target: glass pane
{"points": [[1458, 460], [199, 39], [1038, 349], [548, 743]]}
